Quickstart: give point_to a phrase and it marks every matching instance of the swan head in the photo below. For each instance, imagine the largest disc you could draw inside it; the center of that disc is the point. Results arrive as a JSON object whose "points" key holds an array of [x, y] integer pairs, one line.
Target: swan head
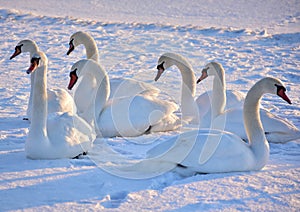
{"points": [[76, 40], [24, 46], [270, 85], [211, 69], [167, 60], [273, 86], [78, 69], [34, 63]]}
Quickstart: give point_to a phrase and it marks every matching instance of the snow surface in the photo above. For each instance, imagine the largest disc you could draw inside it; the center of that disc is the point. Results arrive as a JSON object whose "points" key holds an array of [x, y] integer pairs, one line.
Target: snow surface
{"points": [[251, 39]]}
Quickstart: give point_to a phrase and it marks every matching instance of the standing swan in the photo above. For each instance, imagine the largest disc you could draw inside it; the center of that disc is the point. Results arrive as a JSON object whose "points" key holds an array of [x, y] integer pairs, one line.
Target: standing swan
{"points": [[213, 151], [277, 130], [118, 86], [191, 110], [59, 100], [55, 135], [123, 116]]}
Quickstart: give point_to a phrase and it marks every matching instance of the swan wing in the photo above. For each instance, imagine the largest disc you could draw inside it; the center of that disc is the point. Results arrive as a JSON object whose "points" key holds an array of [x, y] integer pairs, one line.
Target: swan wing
{"points": [[69, 134], [277, 130], [124, 87], [59, 100], [132, 116]]}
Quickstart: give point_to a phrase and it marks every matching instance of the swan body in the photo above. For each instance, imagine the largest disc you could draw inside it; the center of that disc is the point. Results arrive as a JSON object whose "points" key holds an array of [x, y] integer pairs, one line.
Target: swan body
{"points": [[123, 116], [277, 130], [119, 86], [234, 99], [192, 110], [59, 100], [214, 151], [55, 135]]}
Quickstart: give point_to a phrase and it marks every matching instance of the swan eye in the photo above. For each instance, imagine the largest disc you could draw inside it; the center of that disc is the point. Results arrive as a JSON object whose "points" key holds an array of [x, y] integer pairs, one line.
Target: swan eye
{"points": [[35, 60], [73, 73], [18, 48], [71, 46], [279, 88], [161, 66], [205, 69], [71, 41]]}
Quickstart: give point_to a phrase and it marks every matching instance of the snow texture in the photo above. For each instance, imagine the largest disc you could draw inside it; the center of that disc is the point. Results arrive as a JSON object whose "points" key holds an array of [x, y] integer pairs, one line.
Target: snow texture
{"points": [[251, 39]]}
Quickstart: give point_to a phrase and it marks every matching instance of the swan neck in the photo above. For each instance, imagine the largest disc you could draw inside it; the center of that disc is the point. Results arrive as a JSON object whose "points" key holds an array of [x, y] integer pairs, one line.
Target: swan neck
{"points": [[98, 82], [188, 79], [188, 90], [91, 48], [219, 95], [253, 125], [38, 124]]}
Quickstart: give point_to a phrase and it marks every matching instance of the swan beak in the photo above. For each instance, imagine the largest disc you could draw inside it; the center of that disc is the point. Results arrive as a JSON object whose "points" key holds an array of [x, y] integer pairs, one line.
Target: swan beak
{"points": [[71, 48], [203, 76], [282, 94], [73, 79], [16, 53], [32, 67], [159, 73]]}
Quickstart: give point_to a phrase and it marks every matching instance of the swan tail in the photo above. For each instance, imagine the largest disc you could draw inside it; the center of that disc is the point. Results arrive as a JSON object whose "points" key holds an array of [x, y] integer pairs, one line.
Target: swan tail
{"points": [[282, 137]]}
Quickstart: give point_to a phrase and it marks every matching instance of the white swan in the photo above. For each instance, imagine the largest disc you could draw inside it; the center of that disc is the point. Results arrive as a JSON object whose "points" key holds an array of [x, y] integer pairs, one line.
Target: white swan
{"points": [[130, 87], [59, 100], [213, 151], [192, 111], [277, 129], [123, 116], [57, 135]]}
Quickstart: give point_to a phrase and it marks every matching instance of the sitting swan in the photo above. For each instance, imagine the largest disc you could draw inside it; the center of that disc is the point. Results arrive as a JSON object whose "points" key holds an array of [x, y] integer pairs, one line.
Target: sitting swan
{"points": [[277, 130], [56, 135], [123, 116], [188, 106], [118, 86], [213, 151], [59, 100]]}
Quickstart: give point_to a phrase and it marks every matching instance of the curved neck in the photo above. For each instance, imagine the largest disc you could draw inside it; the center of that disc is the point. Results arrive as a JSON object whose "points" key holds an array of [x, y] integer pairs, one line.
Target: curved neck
{"points": [[188, 90], [29, 46], [218, 94], [33, 49], [253, 126], [90, 47], [98, 83], [189, 108], [38, 126]]}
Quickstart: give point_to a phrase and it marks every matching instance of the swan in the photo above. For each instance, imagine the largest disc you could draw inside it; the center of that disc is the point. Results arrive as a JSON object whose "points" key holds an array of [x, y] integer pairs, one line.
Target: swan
{"points": [[56, 135], [277, 130], [123, 116], [214, 151], [192, 109], [130, 87], [59, 100]]}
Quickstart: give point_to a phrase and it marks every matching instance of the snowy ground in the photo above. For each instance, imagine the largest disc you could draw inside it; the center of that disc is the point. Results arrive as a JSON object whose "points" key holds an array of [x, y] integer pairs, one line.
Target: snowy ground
{"points": [[251, 39]]}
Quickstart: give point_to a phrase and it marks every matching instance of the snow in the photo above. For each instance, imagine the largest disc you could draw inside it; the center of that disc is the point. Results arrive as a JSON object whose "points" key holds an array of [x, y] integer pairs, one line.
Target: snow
{"points": [[251, 39]]}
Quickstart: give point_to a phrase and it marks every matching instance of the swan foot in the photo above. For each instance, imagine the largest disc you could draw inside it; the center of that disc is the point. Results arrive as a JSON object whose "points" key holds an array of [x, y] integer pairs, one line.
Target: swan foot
{"points": [[79, 156], [191, 173], [181, 166], [25, 119], [200, 173], [148, 131]]}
